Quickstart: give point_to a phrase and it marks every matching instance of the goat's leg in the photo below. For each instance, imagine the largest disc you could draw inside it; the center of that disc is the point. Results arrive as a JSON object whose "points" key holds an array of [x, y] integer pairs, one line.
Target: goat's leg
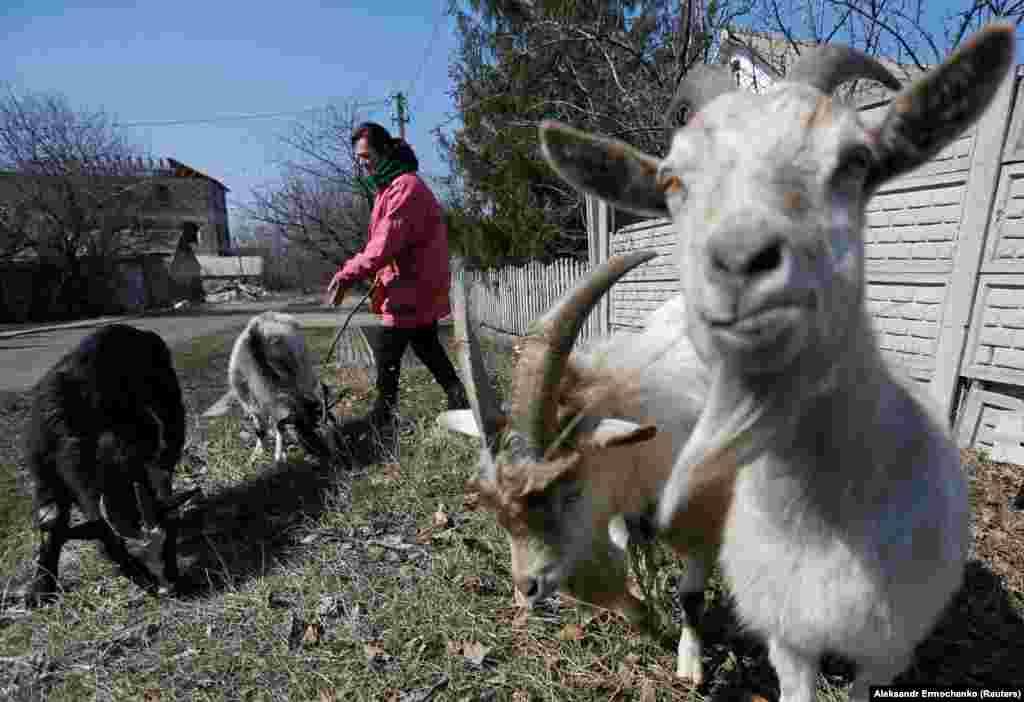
{"points": [[689, 665], [170, 553], [260, 429], [876, 673], [130, 567], [279, 430], [797, 671], [52, 520]]}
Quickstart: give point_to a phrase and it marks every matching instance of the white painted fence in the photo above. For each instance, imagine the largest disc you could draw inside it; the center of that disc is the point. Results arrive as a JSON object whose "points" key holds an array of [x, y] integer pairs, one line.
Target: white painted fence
{"points": [[508, 299]]}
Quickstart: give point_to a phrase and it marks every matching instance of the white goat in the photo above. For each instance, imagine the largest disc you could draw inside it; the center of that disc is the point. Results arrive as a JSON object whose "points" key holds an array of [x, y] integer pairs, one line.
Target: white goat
{"points": [[848, 528], [627, 406], [272, 375]]}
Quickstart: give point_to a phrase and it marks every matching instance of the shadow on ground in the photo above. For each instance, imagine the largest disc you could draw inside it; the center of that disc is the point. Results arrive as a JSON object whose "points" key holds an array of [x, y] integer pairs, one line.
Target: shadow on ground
{"points": [[244, 530], [979, 642]]}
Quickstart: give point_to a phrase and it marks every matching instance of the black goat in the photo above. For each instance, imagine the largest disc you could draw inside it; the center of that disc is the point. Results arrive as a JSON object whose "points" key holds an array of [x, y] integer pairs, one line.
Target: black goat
{"points": [[105, 433]]}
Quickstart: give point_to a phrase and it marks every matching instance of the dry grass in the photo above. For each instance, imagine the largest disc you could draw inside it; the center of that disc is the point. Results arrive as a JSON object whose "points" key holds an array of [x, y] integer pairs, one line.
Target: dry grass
{"points": [[380, 580]]}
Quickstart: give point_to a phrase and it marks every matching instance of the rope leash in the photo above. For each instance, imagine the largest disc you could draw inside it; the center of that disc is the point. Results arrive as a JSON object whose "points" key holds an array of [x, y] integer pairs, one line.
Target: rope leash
{"points": [[334, 345]]}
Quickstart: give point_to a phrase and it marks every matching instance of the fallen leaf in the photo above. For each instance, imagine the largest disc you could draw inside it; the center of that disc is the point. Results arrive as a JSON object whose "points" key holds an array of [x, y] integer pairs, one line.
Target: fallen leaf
{"points": [[520, 696], [472, 583], [328, 695], [388, 473], [372, 650], [570, 632], [520, 619], [474, 652], [313, 633], [441, 518], [471, 500], [454, 648], [151, 695], [424, 536]]}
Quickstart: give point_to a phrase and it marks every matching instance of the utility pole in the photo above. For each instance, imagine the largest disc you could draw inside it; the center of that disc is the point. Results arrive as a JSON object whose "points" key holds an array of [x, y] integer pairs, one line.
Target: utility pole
{"points": [[403, 117]]}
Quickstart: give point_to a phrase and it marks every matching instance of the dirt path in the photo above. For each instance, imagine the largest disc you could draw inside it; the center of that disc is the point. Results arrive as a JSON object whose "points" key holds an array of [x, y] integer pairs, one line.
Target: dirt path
{"points": [[24, 359]]}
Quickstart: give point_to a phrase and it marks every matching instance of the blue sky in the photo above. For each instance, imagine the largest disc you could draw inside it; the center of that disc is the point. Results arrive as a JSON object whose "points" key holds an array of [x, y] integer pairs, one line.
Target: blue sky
{"points": [[180, 60], [186, 60]]}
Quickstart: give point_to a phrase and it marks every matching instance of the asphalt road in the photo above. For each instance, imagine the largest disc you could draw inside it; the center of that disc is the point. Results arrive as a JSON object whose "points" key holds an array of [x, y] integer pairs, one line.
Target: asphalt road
{"points": [[25, 355]]}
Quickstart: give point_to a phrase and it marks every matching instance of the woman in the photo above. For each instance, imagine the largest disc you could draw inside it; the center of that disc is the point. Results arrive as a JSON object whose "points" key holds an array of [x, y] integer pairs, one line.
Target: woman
{"points": [[407, 251]]}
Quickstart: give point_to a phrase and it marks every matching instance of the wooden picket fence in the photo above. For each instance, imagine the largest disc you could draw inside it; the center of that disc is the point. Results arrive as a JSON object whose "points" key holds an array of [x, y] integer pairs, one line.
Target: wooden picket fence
{"points": [[508, 299]]}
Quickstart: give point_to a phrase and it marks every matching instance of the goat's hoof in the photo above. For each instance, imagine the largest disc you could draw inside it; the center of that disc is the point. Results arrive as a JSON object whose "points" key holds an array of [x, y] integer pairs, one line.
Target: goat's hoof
{"points": [[690, 671], [688, 663]]}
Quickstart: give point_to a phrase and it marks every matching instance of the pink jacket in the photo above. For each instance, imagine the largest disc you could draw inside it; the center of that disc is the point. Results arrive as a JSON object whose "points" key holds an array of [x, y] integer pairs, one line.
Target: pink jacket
{"points": [[408, 250]]}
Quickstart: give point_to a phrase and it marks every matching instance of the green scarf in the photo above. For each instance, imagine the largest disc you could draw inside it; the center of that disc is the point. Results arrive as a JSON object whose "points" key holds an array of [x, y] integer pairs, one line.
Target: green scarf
{"points": [[386, 171]]}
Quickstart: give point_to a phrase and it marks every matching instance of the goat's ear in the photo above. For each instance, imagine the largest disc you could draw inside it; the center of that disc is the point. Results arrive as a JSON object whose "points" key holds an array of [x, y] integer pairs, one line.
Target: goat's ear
{"points": [[936, 109], [610, 169], [459, 421], [617, 432]]}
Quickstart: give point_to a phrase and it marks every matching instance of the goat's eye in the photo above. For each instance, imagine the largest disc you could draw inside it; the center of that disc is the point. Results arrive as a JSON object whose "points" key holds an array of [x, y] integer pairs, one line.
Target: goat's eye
{"points": [[535, 501], [572, 495], [671, 184]]}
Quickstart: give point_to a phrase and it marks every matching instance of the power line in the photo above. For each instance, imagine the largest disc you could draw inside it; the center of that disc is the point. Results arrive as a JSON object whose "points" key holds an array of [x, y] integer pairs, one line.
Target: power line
{"points": [[236, 118], [428, 51]]}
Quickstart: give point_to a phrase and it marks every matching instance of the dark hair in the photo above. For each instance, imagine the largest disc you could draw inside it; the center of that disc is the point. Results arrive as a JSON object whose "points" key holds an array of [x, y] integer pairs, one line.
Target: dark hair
{"points": [[381, 141], [379, 138]]}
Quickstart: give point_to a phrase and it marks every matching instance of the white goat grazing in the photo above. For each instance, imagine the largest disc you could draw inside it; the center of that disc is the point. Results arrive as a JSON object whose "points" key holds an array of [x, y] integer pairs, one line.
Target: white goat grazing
{"points": [[848, 529], [629, 404], [273, 377]]}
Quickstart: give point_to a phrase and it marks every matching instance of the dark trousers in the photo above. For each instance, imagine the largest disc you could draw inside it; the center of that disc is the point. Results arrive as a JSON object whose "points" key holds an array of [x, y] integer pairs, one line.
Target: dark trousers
{"points": [[391, 343]]}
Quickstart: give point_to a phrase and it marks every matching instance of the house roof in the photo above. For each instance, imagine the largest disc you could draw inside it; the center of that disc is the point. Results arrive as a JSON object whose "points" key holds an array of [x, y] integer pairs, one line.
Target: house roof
{"points": [[775, 52], [167, 167], [181, 170]]}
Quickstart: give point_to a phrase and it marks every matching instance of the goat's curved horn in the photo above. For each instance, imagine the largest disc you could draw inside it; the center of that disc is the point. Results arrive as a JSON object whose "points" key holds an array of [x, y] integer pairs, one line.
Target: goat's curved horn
{"points": [[828, 66], [147, 506], [547, 346], [161, 443], [121, 531], [482, 398], [701, 85]]}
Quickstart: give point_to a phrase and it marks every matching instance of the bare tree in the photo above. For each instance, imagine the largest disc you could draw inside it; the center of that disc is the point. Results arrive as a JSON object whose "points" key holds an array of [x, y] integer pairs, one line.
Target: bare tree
{"points": [[903, 31], [317, 203], [72, 189]]}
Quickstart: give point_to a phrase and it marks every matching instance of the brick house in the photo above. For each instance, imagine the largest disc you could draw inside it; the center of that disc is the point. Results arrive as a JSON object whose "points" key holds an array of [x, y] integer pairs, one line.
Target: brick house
{"points": [[183, 215]]}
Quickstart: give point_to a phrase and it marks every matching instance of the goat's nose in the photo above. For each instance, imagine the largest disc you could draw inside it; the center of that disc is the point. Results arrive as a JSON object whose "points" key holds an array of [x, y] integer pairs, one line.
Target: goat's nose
{"points": [[740, 260]]}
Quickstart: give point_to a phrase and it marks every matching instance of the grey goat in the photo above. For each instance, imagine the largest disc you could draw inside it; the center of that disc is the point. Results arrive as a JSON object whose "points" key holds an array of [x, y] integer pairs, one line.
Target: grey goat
{"points": [[272, 376]]}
